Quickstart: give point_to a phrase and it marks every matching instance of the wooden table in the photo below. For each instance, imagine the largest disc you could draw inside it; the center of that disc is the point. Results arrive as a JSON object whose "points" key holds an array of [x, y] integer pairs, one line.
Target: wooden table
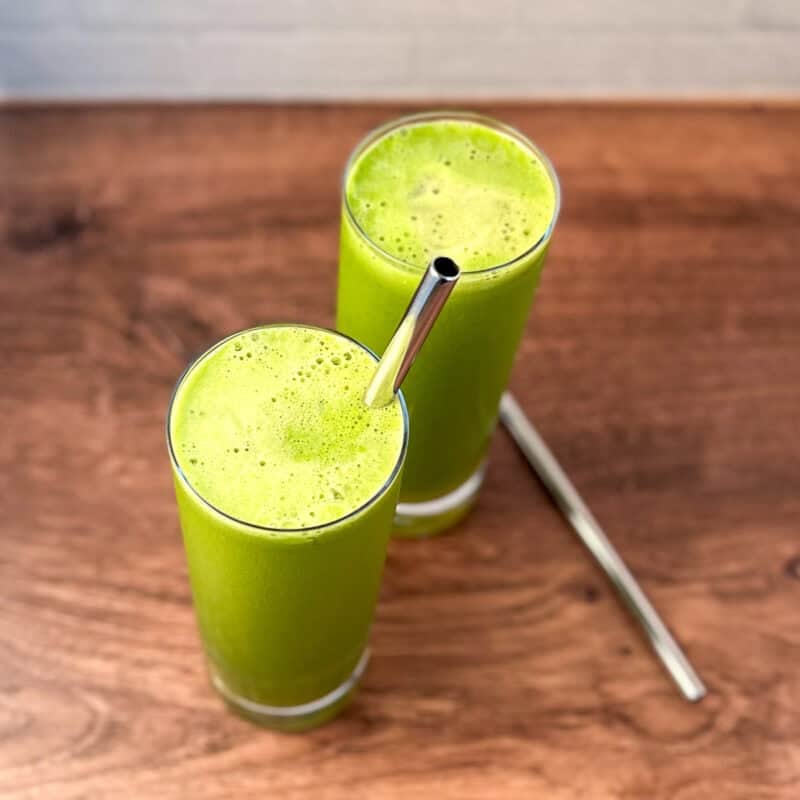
{"points": [[661, 363]]}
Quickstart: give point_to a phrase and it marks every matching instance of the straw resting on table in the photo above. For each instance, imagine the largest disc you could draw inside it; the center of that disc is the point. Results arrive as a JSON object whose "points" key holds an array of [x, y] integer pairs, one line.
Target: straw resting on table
{"points": [[591, 534]]}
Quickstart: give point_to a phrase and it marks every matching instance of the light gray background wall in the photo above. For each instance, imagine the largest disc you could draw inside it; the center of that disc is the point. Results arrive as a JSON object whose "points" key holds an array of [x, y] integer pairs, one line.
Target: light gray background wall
{"points": [[317, 49]]}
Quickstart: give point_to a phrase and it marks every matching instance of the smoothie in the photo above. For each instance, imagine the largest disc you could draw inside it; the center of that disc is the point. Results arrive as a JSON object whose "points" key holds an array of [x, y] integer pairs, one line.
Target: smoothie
{"points": [[286, 486], [477, 191]]}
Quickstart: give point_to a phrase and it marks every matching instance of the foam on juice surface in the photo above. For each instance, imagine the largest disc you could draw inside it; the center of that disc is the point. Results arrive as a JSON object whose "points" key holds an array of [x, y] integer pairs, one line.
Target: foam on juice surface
{"points": [[270, 427], [452, 187]]}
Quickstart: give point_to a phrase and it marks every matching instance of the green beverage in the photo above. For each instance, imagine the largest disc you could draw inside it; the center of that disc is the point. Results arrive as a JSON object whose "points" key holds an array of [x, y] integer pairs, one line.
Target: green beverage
{"points": [[472, 189], [286, 486]]}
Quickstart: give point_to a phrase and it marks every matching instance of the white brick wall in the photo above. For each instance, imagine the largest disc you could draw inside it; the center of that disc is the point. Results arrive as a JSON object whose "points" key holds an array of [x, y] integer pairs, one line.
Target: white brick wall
{"points": [[319, 49]]}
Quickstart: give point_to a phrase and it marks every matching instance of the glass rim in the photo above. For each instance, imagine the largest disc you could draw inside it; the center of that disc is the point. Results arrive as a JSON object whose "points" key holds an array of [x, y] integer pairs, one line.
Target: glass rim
{"points": [[267, 528], [469, 116]]}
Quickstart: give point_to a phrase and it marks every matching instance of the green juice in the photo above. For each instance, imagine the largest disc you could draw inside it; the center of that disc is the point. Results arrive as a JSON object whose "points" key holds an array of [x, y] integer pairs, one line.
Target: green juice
{"points": [[286, 486], [471, 189]]}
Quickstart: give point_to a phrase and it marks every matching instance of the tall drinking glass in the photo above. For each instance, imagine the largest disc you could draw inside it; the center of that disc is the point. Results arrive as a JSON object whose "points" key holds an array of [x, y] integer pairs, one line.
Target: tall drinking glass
{"points": [[471, 188], [286, 486]]}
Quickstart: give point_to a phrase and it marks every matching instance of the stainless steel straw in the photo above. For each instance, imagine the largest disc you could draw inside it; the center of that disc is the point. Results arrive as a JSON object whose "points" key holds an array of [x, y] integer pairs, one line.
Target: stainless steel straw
{"points": [[428, 300], [591, 534]]}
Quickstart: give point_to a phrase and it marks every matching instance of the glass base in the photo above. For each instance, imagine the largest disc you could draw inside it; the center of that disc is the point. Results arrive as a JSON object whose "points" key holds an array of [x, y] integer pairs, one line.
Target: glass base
{"points": [[293, 719], [435, 516]]}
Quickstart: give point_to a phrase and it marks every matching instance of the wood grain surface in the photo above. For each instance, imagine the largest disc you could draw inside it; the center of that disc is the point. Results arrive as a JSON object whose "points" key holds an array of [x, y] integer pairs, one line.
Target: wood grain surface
{"points": [[661, 363]]}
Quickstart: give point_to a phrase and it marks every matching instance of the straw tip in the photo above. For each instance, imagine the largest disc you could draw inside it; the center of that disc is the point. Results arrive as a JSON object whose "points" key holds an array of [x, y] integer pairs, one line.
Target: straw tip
{"points": [[446, 268]]}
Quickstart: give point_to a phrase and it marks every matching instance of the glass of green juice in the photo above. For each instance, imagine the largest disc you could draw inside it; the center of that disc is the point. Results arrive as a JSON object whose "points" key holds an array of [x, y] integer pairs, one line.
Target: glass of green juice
{"points": [[286, 485], [468, 187]]}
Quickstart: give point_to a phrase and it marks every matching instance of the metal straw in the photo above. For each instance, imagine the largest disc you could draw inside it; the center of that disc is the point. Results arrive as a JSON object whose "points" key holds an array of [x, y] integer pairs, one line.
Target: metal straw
{"points": [[591, 534], [428, 300]]}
